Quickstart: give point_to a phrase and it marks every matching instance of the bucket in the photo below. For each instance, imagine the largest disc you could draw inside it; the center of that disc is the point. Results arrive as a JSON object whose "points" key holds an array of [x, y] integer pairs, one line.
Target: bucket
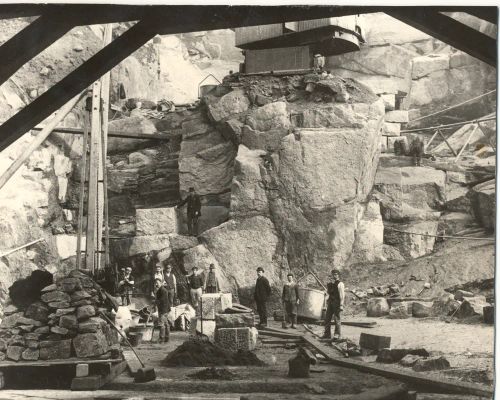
{"points": [[145, 330], [311, 303], [204, 89], [135, 338]]}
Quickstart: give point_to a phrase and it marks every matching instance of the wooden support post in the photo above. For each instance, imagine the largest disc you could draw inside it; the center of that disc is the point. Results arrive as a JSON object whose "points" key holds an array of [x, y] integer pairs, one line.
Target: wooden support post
{"points": [[95, 151], [446, 141], [39, 139], [430, 141], [83, 179], [466, 143]]}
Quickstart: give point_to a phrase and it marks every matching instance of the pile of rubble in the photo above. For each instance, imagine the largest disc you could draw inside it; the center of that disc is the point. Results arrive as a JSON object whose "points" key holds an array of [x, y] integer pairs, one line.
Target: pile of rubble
{"points": [[63, 323]]}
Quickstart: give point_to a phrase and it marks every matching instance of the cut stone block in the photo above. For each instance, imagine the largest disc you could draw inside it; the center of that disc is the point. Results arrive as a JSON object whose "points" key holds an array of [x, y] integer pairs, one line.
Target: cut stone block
{"points": [[460, 294], [401, 310], [374, 342], [213, 303], [14, 352], [389, 101], [392, 129], [206, 328], [82, 370], [154, 221], [30, 354], [67, 244], [84, 312], [55, 296], [68, 322], [235, 339], [37, 311], [235, 320], [422, 309], [424, 65], [400, 116]]}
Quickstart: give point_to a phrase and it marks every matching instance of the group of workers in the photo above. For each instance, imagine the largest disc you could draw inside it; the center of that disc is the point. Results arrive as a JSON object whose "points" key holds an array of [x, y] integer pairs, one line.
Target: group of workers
{"points": [[291, 300]]}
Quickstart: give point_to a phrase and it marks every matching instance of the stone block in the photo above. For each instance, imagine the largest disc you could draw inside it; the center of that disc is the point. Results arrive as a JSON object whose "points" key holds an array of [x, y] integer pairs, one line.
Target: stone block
{"points": [[84, 312], [395, 355], [49, 288], [472, 306], [460, 294], [55, 296], [235, 339], [374, 342], [84, 302], [399, 116], [59, 331], [431, 364], [10, 320], [59, 304], [377, 307], [155, 221], [409, 360], [391, 129], [90, 344], [28, 321], [30, 354], [213, 303], [182, 242], [425, 65], [235, 320], [37, 311], [82, 370], [14, 352], [64, 311], [69, 284], [55, 349], [10, 309], [401, 310], [80, 295], [422, 309], [68, 322], [389, 101], [42, 330]]}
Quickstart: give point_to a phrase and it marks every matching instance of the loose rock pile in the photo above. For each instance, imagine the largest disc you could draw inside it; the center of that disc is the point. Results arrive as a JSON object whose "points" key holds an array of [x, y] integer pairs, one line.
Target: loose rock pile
{"points": [[63, 323]]}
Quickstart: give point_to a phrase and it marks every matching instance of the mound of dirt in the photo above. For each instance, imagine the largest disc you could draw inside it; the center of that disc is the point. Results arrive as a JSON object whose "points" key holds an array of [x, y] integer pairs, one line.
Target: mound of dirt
{"points": [[197, 353], [214, 373]]}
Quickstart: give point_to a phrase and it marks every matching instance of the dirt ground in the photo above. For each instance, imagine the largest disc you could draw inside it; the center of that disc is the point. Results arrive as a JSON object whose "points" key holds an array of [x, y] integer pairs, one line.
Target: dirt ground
{"points": [[467, 347]]}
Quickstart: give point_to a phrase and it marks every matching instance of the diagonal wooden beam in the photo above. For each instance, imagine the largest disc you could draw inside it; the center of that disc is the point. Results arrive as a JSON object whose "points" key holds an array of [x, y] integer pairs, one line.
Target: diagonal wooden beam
{"points": [[449, 31], [30, 41], [75, 82], [489, 14]]}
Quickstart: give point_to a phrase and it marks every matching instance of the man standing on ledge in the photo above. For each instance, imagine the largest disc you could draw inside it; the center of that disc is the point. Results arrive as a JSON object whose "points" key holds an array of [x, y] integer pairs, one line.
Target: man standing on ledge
{"points": [[193, 211], [261, 294], [211, 282], [335, 305]]}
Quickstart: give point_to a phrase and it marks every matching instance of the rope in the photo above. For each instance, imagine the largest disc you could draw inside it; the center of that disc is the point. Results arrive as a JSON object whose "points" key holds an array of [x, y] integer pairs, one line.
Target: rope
{"points": [[455, 106], [447, 126], [441, 236]]}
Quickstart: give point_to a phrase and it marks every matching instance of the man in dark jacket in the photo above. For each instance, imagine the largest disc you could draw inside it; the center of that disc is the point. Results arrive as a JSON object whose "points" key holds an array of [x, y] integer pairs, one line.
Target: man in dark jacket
{"points": [[163, 304], [290, 298], [261, 294], [335, 305], [193, 211]]}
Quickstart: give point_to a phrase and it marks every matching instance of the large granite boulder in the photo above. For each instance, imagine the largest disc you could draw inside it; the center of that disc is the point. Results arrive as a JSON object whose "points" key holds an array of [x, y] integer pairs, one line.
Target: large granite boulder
{"points": [[139, 245], [242, 246], [248, 194], [234, 102], [271, 116], [407, 239]]}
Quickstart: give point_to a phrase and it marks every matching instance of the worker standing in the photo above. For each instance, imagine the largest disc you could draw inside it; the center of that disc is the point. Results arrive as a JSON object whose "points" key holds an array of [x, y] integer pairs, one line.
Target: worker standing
{"points": [[126, 287], [196, 286], [163, 305], [335, 305], [261, 294], [211, 282], [290, 298], [170, 284], [158, 274], [193, 211]]}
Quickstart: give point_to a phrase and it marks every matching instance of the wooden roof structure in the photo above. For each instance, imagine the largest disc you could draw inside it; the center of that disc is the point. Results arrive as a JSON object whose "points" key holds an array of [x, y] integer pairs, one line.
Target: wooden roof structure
{"points": [[55, 20]]}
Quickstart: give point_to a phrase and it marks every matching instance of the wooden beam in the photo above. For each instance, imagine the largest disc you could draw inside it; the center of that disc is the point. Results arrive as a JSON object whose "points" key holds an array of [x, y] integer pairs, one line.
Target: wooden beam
{"points": [[118, 134], [75, 82], [449, 31], [38, 140], [29, 42], [419, 379]]}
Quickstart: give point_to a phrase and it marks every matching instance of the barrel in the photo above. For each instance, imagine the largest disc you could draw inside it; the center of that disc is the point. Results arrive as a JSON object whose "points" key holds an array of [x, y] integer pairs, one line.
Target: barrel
{"points": [[204, 89], [311, 303]]}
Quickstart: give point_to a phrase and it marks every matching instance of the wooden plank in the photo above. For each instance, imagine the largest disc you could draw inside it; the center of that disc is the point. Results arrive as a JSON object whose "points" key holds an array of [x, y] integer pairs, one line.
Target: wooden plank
{"points": [[31, 41], [118, 134], [66, 362], [446, 141], [83, 175], [282, 341], [133, 363], [277, 334], [414, 378]]}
